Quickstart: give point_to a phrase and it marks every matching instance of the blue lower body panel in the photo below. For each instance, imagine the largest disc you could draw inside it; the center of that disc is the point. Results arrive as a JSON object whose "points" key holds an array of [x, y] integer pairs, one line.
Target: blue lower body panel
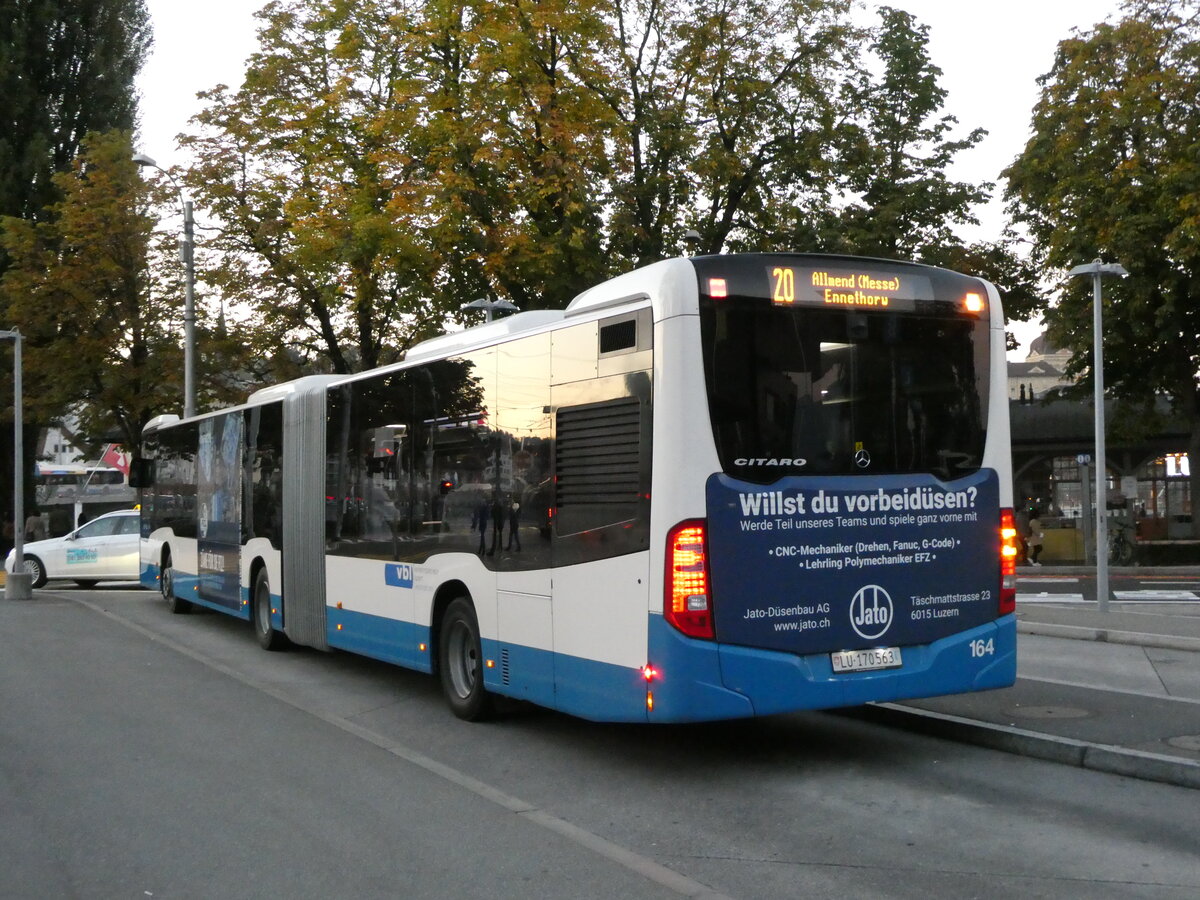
{"points": [[589, 689], [700, 680], [581, 687], [388, 640], [187, 587], [693, 680], [978, 659], [148, 577]]}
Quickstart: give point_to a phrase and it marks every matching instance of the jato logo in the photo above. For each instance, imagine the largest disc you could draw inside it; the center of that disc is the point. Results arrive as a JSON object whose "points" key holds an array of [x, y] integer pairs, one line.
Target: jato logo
{"points": [[871, 612]]}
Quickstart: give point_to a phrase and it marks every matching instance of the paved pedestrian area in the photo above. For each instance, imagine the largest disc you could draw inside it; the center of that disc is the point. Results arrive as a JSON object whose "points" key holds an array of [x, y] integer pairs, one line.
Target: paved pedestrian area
{"points": [[1116, 690]]}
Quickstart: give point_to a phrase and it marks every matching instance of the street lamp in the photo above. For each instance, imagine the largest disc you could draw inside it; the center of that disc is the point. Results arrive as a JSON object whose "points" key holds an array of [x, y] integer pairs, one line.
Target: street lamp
{"points": [[189, 284], [19, 585], [1098, 270], [490, 306]]}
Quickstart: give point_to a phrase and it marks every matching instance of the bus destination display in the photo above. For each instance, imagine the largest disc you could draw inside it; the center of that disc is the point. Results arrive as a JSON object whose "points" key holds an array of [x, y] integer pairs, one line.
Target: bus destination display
{"points": [[851, 288]]}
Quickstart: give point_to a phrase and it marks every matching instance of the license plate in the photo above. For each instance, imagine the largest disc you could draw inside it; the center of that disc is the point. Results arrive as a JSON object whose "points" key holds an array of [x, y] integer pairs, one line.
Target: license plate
{"points": [[866, 660]]}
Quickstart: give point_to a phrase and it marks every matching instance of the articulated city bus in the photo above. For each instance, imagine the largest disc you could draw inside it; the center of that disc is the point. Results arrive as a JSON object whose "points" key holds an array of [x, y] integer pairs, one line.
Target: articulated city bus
{"points": [[710, 488]]}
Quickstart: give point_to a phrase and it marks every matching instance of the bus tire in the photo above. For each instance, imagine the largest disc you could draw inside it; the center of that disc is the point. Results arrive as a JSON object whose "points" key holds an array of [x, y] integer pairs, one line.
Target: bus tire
{"points": [[460, 662], [166, 587], [36, 571], [269, 637]]}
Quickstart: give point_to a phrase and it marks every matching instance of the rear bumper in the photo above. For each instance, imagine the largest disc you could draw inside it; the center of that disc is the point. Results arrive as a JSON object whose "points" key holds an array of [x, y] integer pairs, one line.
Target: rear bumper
{"points": [[702, 680]]}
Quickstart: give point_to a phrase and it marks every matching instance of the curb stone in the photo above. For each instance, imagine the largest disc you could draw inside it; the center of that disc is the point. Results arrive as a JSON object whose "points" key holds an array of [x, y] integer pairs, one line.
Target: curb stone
{"points": [[1111, 636], [1081, 754]]}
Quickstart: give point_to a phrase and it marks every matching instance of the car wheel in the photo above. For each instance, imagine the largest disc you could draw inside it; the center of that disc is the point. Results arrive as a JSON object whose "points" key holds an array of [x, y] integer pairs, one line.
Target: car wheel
{"points": [[86, 583], [269, 637], [460, 662], [36, 571], [166, 585]]}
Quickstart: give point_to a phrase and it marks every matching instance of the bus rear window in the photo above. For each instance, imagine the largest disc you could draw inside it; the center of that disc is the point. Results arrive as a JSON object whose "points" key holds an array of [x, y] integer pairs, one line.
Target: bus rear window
{"points": [[804, 389]]}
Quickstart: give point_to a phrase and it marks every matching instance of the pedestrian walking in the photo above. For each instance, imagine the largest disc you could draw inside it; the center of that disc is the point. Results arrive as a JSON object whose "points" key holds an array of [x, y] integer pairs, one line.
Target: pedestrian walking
{"points": [[1036, 536], [514, 525], [35, 526], [479, 521], [497, 510]]}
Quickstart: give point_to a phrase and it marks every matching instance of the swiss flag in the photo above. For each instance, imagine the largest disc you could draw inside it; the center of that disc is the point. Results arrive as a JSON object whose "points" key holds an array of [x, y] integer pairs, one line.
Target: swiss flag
{"points": [[116, 457]]}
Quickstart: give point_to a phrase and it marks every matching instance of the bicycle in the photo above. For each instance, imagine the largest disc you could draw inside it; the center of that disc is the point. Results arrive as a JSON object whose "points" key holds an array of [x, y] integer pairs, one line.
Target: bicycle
{"points": [[1122, 550]]}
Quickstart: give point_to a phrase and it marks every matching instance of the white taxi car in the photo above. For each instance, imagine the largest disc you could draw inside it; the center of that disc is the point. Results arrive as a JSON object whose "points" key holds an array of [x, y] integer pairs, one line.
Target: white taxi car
{"points": [[104, 549]]}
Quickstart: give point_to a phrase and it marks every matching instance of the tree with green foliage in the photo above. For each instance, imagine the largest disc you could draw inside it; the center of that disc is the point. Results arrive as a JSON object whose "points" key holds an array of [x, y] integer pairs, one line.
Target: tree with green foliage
{"points": [[514, 147], [79, 287], [1112, 171], [893, 171], [67, 68], [726, 115], [382, 166], [904, 205], [324, 214]]}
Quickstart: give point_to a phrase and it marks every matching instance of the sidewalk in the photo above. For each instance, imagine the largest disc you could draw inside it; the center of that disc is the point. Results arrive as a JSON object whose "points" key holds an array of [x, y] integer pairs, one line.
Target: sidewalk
{"points": [[1117, 692]]}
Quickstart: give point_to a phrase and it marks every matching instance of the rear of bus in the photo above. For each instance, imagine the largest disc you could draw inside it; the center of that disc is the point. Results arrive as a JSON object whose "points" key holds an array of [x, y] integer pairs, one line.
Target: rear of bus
{"points": [[856, 540]]}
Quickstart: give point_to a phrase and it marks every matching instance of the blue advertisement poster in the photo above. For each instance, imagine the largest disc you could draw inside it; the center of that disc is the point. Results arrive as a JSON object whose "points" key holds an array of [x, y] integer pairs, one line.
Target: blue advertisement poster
{"points": [[220, 509], [810, 565]]}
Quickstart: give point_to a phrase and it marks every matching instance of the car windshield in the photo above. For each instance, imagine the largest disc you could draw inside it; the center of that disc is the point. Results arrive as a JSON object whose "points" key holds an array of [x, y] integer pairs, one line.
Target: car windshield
{"points": [[106, 526]]}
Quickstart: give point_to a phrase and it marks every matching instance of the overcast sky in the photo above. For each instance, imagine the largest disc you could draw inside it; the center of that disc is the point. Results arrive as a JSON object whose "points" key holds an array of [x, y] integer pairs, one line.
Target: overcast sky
{"points": [[990, 56]]}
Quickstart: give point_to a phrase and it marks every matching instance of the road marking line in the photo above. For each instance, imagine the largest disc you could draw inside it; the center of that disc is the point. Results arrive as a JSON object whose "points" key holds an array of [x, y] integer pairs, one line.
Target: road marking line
{"points": [[644, 866], [1155, 595], [1121, 596], [1047, 597]]}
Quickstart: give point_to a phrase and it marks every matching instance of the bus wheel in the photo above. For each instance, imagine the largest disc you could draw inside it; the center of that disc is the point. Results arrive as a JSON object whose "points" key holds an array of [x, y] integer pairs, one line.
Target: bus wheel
{"points": [[460, 662], [36, 571], [269, 637], [166, 585]]}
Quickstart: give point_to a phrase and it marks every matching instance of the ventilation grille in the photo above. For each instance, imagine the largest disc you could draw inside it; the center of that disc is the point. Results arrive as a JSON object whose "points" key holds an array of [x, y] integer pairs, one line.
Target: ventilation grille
{"points": [[597, 454], [618, 336]]}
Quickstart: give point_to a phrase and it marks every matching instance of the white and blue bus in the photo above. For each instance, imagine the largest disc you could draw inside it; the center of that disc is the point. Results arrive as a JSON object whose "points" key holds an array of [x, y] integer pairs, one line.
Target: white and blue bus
{"points": [[711, 488]]}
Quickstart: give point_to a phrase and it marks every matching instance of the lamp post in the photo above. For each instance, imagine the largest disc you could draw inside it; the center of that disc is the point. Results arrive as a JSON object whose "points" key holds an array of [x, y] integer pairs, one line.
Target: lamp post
{"points": [[1098, 270], [189, 284], [490, 306], [19, 585]]}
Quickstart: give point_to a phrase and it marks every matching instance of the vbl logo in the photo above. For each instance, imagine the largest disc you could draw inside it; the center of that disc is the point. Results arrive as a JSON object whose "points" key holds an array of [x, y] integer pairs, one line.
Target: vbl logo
{"points": [[399, 575]]}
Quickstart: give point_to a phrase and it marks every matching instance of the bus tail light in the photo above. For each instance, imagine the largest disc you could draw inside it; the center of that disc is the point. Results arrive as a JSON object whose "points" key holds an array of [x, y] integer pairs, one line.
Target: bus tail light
{"points": [[687, 603], [1008, 562]]}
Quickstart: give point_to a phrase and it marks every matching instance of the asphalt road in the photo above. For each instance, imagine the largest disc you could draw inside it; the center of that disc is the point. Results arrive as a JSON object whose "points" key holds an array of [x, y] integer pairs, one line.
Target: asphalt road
{"points": [[150, 755]]}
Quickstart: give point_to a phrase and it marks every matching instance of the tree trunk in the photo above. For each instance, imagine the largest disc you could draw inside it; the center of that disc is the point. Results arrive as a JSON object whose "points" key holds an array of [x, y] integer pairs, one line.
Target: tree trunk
{"points": [[31, 435], [1194, 474]]}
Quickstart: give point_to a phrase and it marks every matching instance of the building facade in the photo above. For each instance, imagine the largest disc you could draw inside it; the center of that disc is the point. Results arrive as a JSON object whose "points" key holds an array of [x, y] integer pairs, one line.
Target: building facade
{"points": [[1053, 441]]}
